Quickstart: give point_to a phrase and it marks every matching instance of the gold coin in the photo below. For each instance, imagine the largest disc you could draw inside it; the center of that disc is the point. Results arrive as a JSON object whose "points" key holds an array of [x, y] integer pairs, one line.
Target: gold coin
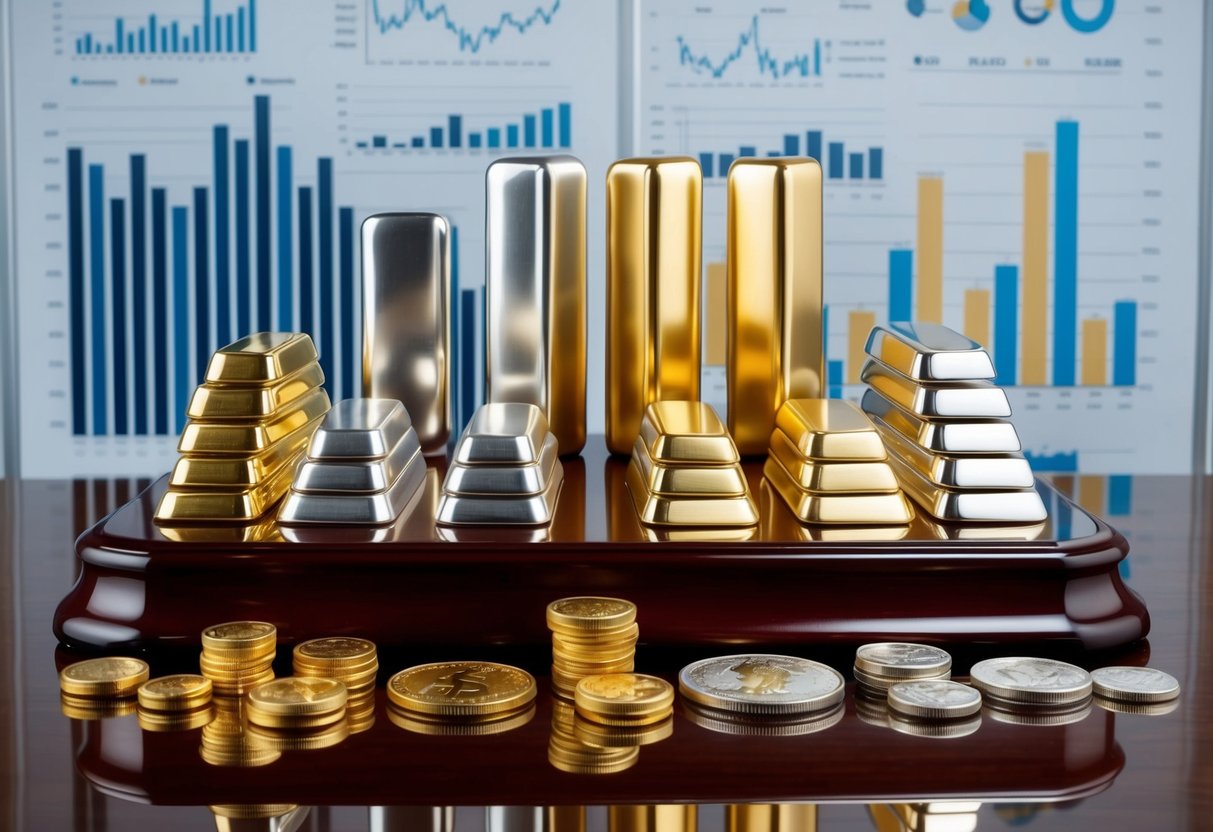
{"points": [[298, 696], [239, 686], [240, 638], [623, 695], [461, 688], [76, 707], [176, 720], [590, 614], [336, 651], [613, 736], [116, 676], [179, 692], [256, 716]]}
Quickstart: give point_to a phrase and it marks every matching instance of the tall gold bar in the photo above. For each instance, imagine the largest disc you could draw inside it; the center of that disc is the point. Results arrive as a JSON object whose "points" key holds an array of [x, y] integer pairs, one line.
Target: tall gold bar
{"points": [[654, 818], [535, 290], [775, 279], [770, 817], [653, 265]]}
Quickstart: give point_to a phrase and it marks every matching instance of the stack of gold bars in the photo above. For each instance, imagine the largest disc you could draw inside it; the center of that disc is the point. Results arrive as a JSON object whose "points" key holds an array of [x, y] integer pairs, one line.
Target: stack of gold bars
{"points": [[297, 713], [685, 470], [461, 698], [175, 703], [590, 636], [829, 465], [249, 423], [99, 688], [946, 425], [504, 471], [238, 655], [363, 465], [352, 661]]}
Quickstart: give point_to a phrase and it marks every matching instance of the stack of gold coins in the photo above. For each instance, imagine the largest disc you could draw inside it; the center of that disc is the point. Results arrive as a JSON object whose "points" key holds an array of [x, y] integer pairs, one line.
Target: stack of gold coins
{"points": [[830, 466], [590, 636], [883, 664], [351, 661], [569, 752], [685, 470], [249, 424], [296, 713], [100, 688], [461, 698], [625, 700], [238, 655], [175, 703], [225, 742]]}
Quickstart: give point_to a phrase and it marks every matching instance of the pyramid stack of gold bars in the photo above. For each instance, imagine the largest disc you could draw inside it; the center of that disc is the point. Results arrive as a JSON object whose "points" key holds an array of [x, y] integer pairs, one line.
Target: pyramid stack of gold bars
{"points": [[829, 465], [685, 469], [249, 423]]}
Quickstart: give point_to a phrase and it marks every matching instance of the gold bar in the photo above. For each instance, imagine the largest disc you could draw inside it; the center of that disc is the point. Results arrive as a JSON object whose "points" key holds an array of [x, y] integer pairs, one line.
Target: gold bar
{"points": [[246, 471], [852, 509], [262, 358], [535, 290], [688, 480], [652, 315], [660, 510], [212, 402], [770, 817], [1034, 323], [245, 504], [829, 429], [250, 439], [859, 325], [930, 249], [686, 432], [775, 348], [1092, 493], [654, 818], [716, 327], [1095, 351], [811, 475], [977, 315]]}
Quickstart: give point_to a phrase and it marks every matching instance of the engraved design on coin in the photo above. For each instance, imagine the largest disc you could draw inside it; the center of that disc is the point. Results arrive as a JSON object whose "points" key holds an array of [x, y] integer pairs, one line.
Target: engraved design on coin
{"points": [[937, 694], [591, 607], [1038, 674], [1143, 683], [104, 670], [625, 686], [466, 682], [239, 630], [900, 654], [781, 682], [462, 682], [173, 685], [336, 647], [760, 677]]}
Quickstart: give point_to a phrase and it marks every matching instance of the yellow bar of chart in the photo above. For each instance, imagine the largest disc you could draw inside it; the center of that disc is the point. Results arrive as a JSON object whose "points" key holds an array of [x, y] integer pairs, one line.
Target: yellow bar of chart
{"points": [[1034, 315], [859, 324], [977, 315], [930, 249], [715, 325], [1095, 351]]}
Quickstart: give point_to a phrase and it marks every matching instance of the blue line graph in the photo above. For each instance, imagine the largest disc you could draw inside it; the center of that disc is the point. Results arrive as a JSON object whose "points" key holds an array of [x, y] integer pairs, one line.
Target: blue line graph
{"points": [[804, 65], [471, 38]]}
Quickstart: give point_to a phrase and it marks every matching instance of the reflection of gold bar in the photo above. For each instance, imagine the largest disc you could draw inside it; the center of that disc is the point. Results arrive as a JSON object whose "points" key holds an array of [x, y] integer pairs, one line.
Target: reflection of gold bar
{"points": [[716, 327], [776, 817], [977, 315], [261, 358], [246, 504], [218, 402], [232, 439], [774, 262], [655, 818], [1095, 351], [859, 324], [853, 509], [660, 510], [688, 480], [686, 432], [566, 819], [653, 257], [535, 290], [811, 475], [930, 249], [246, 471], [833, 429], [1034, 324]]}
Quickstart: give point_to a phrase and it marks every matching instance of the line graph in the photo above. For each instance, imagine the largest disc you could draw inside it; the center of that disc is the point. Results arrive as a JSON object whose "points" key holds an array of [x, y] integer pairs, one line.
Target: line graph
{"points": [[470, 38], [804, 65]]}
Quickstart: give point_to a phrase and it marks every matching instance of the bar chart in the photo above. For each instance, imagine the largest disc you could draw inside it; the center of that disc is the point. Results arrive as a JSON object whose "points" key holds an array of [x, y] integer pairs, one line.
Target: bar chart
{"points": [[549, 128], [157, 283], [219, 29], [838, 161]]}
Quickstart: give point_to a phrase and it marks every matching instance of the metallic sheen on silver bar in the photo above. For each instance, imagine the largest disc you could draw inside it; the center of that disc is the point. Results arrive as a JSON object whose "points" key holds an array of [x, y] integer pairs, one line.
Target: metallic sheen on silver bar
{"points": [[360, 429], [499, 433], [406, 271], [357, 475], [504, 480], [534, 510], [535, 290], [375, 508], [929, 352], [969, 437], [956, 400], [993, 471], [1010, 506]]}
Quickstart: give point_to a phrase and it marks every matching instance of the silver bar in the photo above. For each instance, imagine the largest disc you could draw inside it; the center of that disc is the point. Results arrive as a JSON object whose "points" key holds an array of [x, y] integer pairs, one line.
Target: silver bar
{"points": [[361, 476], [515, 819], [360, 429], [963, 505], [503, 480], [956, 400], [500, 433], [406, 271], [929, 352], [535, 510], [968, 437], [374, 509], [1009, 470], [535, 290]]}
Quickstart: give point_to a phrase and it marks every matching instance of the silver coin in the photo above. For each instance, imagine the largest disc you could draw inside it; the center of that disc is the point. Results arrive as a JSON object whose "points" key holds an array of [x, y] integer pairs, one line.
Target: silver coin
{"points": [[1134, 684], [1030, 681], [934, 699], [762, 684], [902, 660]]}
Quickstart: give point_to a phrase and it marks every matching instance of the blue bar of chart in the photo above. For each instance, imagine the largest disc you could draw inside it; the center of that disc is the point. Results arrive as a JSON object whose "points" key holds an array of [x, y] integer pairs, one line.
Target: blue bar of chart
{"points": [[550, 128], [467, 345], [124, 382], [230, 30], [840, 164]]}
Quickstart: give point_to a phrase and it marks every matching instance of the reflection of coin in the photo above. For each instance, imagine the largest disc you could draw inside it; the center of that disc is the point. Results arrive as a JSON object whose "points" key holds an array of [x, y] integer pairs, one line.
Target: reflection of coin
{"points": [[1031, 681], [298, 696], [1036, 716], [590, 614], [724, 722], [461, 688], [902, 660], [624, 694], [939, 729], [762, 684], [460, 727], [1134, 684], [103, 677], [1136, 708], [934, 699]]}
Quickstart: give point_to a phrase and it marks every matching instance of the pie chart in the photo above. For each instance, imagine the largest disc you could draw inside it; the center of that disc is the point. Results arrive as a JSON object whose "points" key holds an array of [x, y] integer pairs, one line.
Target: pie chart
{"points": [[970, 15]]}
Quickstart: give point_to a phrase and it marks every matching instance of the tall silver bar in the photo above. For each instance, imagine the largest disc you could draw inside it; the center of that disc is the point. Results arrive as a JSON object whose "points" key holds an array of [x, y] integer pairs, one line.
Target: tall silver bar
{"points": [[535, 290], [406, 270]]}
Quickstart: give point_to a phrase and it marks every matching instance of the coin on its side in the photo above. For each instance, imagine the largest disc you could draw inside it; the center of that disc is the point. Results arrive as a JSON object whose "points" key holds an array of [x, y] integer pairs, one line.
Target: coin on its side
{"points": [[624, 694], [110, 676], [1134, 684], [1031, 681], [461, 688], [934, 699], [298, 696], [902, 660], [762, 684]]}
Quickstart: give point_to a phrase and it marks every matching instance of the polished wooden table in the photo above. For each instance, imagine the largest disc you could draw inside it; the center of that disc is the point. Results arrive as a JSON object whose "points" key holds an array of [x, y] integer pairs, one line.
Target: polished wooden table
{"points": [[1107, 771]]}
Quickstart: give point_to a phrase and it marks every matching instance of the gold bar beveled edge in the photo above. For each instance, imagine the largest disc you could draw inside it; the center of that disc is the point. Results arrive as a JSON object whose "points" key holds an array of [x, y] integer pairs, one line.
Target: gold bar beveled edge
{"points": [[806, 473], [656, 474], [687, 448], [813, 441], [180, 506], [266, 401], [257, 437], [288, 450], [648, 505], [258, 369], [806, 505]]}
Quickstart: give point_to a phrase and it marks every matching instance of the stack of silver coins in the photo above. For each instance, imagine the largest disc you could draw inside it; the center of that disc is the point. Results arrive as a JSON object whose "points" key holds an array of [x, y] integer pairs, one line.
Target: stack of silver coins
{"points": [[504, 471], [762, 694], [364, 465], [882, 665], [908, 687], [947, 426], [1031, 691]]}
